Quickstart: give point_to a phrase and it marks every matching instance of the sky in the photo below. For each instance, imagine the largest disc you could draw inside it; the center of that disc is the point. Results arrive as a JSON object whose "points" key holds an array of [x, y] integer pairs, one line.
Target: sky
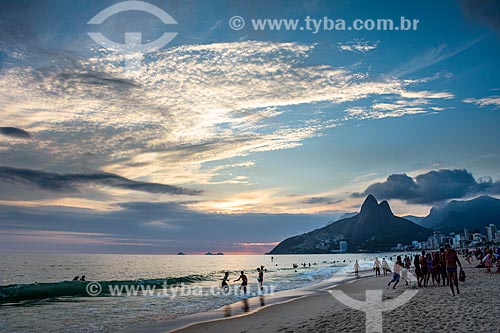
{"points": [[230, 138]]}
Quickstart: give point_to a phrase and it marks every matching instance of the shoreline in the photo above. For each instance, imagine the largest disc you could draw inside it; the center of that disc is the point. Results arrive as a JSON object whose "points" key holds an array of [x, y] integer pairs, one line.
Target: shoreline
{"points": [[432, 305], [254, 304]]}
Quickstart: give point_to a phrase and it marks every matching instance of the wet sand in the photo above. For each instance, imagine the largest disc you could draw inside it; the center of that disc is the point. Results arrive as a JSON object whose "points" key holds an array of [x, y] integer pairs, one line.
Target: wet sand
{"points": [[433, 309]]}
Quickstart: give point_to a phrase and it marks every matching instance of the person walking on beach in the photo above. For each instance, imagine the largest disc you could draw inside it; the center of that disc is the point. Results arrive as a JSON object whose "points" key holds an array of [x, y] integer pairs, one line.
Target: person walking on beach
{"points": [[225, 280], [244, 281], [423, 269], [451, 267], [377, 267], [418, 272], [404, 274], [430, 269], [407, 262], [436, 269], [398, 266], [385, 267], [356, 268], [442, 266]]}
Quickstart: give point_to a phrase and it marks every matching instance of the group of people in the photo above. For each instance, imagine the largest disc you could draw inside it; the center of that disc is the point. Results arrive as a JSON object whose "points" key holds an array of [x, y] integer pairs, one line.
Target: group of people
{"points": [[78, 278], [487, 257], [384, 265], [244, 279], [304, 265], [438, 266]]}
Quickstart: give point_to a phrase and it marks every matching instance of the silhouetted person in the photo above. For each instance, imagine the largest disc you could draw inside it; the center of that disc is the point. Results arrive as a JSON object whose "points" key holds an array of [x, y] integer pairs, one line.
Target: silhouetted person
{"points": [[225, 280], [260, 279], [82, 278], [442, 266], [76, 278], [422, 261], [244, 281]]}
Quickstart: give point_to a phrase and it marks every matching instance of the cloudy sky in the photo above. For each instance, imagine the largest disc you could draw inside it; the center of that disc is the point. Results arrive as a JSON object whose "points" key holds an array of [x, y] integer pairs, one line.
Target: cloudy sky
{"points": [[232, 140]]}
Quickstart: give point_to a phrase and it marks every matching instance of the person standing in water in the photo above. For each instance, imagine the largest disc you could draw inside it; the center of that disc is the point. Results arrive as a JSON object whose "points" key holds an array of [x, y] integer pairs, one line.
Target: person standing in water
{"points": [[356, 268], [244, 281], [225, 280], [451, 266], [260, 279]]}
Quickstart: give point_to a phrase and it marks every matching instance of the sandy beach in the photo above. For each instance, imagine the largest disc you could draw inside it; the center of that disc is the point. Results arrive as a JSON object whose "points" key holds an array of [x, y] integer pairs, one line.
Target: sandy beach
{"points": [[432, 309]]}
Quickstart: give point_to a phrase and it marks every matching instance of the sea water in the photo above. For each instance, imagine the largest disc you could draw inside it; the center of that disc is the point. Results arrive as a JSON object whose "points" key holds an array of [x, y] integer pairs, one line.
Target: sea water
{"points": [[37, 294]]}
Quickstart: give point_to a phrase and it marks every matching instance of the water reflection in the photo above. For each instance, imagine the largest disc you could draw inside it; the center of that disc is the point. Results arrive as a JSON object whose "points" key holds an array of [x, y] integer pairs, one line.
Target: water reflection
{"points": [[227, 311], [245, 306]]}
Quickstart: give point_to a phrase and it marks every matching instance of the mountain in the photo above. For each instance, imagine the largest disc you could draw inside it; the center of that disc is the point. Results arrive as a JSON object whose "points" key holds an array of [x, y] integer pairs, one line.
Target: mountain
{"points": [[374, 228], [344, 216], [415, 219], [457, 215]]}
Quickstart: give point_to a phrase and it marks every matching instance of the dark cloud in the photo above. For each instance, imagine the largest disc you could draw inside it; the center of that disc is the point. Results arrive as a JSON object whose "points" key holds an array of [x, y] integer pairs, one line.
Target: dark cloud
{"points": [[431, 187], [69, 182], [81, 78], [14, 132], [159, 227], [320, 200], [487, 12]]}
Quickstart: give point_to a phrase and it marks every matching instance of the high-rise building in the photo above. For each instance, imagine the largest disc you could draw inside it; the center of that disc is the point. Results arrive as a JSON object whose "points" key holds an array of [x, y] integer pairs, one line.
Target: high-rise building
{"points": [[342, 246], [490, 232], [431, 242]]}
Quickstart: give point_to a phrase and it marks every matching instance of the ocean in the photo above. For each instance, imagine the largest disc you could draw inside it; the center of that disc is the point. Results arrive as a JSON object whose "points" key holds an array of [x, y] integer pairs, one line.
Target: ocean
{"points": [[37, 294]]}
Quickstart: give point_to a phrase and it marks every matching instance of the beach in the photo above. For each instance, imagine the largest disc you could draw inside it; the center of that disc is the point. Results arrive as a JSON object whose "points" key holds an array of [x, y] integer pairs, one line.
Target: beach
{"points": [[432, 309]]}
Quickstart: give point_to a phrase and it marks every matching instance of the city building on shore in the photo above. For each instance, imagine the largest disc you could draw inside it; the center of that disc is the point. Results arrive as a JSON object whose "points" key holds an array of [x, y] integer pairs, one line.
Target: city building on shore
{"points": [[466, 239]]}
